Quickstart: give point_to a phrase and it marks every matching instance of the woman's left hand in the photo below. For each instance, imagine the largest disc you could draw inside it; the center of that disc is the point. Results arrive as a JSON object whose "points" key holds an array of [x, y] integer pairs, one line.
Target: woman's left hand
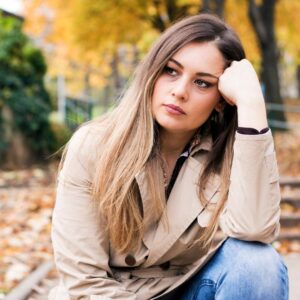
{"points": [[239, 85]]}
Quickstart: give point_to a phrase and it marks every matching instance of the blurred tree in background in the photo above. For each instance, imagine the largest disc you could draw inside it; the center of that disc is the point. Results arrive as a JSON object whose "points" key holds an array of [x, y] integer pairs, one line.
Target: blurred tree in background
{"points": [[101, 41], [262, 17], [24, 102], [288, 32]]}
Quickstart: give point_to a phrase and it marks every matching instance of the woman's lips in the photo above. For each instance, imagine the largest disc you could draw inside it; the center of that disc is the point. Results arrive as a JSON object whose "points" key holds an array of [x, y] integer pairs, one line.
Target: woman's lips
{"points": [[174, 109]]}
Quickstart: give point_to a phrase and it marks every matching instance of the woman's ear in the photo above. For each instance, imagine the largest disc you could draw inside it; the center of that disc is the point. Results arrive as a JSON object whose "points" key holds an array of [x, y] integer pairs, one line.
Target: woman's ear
{"points": [[220, 105]]}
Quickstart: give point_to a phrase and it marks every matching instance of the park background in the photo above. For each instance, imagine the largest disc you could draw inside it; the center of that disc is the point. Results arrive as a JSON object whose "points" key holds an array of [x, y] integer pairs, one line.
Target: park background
{"points": [[65, 62]]}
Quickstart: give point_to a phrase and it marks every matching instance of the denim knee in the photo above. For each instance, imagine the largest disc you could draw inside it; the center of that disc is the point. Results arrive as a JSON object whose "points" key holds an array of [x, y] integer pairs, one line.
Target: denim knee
{"points": [[240, 270], [256, 267], [254, 255]]}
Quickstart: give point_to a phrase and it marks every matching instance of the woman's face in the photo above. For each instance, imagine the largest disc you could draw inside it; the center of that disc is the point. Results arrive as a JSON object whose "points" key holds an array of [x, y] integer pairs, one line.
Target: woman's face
{"points": [[186, 92]]}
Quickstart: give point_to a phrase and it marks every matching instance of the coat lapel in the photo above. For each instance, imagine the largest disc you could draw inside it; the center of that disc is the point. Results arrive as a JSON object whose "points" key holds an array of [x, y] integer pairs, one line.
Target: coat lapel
{"points": [[149, 222], [182, 209], [183, 205]]}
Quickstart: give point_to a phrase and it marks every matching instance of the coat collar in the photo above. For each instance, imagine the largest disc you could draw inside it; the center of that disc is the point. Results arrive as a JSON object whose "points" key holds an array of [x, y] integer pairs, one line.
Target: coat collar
{"points": [[201, 143]]}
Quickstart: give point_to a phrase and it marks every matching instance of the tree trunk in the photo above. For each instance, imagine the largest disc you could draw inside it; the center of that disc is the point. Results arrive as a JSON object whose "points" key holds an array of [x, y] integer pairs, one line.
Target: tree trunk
{"points": [[262, 19], [116, 78], [298, 80], [213, 6], [159, 19], [136, 56], [17, 155], [87, 86], [167, 12]]}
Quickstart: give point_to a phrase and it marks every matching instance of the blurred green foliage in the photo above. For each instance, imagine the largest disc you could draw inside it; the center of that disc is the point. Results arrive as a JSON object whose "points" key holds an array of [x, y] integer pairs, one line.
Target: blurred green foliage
{"points": [[62, 134], [22, 90]]}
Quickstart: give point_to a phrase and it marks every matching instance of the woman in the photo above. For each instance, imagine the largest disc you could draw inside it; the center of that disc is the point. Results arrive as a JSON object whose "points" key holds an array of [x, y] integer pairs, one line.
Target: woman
{"points": [[143, 190]]}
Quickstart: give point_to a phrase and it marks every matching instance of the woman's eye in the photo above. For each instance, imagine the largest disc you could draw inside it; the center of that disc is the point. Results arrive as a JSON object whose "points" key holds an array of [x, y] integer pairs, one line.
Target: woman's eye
{"points": [[170, 71], [202, 84]]}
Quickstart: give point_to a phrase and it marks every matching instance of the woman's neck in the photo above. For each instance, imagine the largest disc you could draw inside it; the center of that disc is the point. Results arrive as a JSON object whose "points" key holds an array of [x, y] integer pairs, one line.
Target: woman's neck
{"points": [[172, 144]]}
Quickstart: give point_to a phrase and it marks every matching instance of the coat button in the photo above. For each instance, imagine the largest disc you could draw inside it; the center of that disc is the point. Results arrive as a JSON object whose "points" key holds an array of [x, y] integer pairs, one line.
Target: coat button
{"points": [[130, 260]]}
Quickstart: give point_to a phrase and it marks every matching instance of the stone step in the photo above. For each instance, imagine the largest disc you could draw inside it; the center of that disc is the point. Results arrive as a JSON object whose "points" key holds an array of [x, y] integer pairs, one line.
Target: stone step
{"points": [[289, 234], [294, 201], [24, 289], [289, 219], [291, 182]]}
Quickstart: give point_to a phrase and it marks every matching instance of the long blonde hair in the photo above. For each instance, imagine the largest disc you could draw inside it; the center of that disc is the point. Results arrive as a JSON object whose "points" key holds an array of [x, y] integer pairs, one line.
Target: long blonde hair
{"points": [[130, 140]]}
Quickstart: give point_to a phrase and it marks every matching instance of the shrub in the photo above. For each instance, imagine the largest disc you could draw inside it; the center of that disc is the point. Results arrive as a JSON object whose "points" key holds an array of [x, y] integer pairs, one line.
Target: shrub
{"points": [[22, 69]]}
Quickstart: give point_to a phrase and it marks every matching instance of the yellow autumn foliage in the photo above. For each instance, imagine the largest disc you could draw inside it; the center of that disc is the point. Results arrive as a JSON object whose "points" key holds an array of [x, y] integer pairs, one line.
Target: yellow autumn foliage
{"points": [[89, 33]]}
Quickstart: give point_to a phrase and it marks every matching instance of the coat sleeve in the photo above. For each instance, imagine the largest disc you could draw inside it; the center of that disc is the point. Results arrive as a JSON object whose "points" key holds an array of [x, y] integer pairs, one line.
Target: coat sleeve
{"points": [[252, 211], [81, 245]]}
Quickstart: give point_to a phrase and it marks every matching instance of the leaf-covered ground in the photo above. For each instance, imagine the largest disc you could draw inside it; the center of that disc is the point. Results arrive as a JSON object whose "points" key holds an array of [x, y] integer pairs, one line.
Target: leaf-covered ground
{"points": [[288, 153], [26, 202]]}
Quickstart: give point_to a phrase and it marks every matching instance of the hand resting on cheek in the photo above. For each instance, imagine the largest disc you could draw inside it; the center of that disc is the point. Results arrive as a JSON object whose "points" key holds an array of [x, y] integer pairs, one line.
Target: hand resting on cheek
{"points": [[239, 85]]}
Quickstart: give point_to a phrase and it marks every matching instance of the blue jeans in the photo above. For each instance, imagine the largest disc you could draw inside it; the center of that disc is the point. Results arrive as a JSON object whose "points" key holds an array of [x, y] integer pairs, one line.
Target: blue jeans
{"points": [[240, 271]]}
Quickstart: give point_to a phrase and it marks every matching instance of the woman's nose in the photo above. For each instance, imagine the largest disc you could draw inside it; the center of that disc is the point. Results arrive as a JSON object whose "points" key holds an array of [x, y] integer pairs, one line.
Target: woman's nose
{"points": [[180, 89]]}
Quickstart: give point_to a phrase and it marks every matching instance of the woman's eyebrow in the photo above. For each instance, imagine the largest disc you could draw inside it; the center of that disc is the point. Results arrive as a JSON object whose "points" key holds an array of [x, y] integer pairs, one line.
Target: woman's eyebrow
{"points": [[198, 73]]}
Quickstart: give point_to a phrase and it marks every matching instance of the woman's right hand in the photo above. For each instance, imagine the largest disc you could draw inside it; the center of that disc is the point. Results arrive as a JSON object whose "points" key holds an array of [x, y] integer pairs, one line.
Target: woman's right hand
{"points": [[239, 85]]}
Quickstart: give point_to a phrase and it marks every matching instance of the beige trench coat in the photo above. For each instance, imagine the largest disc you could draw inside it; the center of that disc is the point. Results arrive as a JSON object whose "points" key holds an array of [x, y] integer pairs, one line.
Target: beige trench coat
{"points": [[167, 256]]}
